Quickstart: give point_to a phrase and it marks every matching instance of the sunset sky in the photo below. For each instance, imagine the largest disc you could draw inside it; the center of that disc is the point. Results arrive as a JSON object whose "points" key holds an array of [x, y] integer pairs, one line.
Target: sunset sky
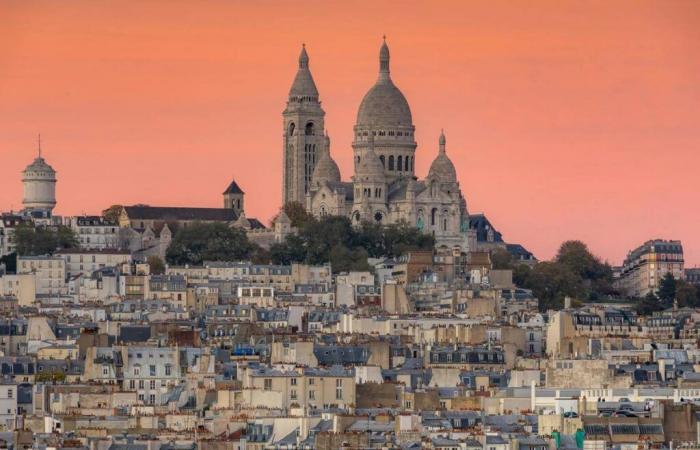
{"points": [[565, 119]]}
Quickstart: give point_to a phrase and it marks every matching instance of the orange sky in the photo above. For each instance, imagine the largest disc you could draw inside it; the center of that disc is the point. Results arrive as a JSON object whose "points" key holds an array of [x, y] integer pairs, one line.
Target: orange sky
{"points": [[565, 119]]}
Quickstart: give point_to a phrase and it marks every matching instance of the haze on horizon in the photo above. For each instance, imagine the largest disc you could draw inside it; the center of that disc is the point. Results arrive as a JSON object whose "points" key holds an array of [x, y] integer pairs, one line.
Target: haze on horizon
{"points": [[565, 120]]}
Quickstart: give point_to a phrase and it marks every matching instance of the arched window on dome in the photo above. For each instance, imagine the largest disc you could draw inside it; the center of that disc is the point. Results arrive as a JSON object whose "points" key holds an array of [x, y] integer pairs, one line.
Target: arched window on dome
{"points": [[399, 163], [381, 158], [433, 216], [309, 131], [291, 128], [391, 162], [413, 158], [444, 220], [407, 158]]}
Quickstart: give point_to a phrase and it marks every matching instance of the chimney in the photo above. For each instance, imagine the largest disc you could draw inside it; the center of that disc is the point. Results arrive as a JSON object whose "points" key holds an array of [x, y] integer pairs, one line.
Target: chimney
{"points": [[567, 302]]}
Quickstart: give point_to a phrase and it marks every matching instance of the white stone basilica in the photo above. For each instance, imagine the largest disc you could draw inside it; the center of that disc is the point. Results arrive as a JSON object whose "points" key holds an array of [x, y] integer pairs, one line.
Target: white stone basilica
{"points": [[384, 187]]}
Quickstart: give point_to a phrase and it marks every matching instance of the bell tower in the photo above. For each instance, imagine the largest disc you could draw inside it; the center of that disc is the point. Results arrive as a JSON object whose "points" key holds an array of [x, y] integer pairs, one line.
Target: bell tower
{"points": [[303, 135]]}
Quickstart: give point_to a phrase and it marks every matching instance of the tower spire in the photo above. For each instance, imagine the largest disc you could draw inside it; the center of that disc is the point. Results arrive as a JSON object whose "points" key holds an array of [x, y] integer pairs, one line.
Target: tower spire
{"points": [[384, 60], [39, 139], [303, 57], [442, 141]]}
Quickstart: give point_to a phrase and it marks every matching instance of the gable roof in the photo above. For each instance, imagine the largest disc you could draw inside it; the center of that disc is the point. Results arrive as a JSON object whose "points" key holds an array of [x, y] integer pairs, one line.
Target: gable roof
{"points": [[168, 213], [233, 188]]}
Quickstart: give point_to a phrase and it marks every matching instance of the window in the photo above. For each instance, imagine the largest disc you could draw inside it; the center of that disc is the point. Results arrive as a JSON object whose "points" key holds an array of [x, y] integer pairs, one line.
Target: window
{"points": [[381, 158], [105, 370], [132, 384], [407, 158], [153, 384], [294, 381], [168, 370], [399, 163], [140, 384], [312, 395], [311, 381], [152, 399], [309, 130], [268, 384], [293, 394], [339, 389], [137, 370], [10, 393], [152, 370], [391, 162]]}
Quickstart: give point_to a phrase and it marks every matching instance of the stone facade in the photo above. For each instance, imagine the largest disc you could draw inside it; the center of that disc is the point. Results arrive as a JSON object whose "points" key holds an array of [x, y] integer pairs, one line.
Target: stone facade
{"points": [[384, 187]]}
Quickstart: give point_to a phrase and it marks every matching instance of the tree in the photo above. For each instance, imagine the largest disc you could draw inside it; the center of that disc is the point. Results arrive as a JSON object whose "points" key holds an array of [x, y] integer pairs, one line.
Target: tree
{"points": [[667, 289], [649, 304], [552, 282], [297, 214], [156, 265], [501, 259], [112, 213], [33, 241], [686, 294], [201, 242]]}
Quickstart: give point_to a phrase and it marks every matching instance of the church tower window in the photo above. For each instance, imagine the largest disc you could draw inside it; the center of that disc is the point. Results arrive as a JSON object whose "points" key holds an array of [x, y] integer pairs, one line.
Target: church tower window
{"points": [[391, 162], [381, 158], [407, 158], [309, 129], [399, 163], [291, 129], [433, 216]]}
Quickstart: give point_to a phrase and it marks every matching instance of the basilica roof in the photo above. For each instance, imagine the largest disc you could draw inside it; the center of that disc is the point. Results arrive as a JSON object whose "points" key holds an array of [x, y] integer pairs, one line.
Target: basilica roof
{"points": [[384, 105], [303, 85], [442, 167]]}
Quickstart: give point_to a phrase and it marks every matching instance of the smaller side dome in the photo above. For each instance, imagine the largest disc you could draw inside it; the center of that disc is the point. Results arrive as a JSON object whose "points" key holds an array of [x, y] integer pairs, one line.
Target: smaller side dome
{"points": [[326, 169], [442, 168], [369, 167]]}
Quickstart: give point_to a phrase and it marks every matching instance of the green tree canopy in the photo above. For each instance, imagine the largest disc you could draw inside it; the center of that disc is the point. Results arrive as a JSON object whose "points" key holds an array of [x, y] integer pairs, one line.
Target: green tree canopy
{"points": [[201, 242], [156, 265], [649, 304], [686, 294], [501, 259], [33, 241], [297, 214], [667, 289], [112, 213], [334, 239]]}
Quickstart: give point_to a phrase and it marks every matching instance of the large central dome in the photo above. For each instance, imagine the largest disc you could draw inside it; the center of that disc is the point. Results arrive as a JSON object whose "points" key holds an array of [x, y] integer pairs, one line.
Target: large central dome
{"points": [[384, 105]]}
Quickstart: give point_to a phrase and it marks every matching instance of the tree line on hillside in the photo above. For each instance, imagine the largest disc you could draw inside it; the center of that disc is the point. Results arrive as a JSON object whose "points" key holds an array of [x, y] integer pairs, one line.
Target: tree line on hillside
{"points": [[317, 241], [574, 272]]}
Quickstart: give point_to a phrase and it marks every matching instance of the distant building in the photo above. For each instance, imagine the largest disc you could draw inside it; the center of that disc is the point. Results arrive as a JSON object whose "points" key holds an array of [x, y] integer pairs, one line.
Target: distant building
{"points": [[692, 276], [39, 180], [646, 265], [94, 232]]}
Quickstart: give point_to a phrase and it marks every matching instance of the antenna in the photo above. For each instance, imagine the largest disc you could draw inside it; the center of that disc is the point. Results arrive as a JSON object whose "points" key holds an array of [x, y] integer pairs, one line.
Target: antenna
{"points": [[39, 145]]}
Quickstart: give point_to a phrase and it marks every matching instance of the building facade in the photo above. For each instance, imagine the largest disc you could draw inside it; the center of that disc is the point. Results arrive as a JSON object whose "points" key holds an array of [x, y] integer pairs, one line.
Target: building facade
{"points": [[384, 188], [646, 265]]}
